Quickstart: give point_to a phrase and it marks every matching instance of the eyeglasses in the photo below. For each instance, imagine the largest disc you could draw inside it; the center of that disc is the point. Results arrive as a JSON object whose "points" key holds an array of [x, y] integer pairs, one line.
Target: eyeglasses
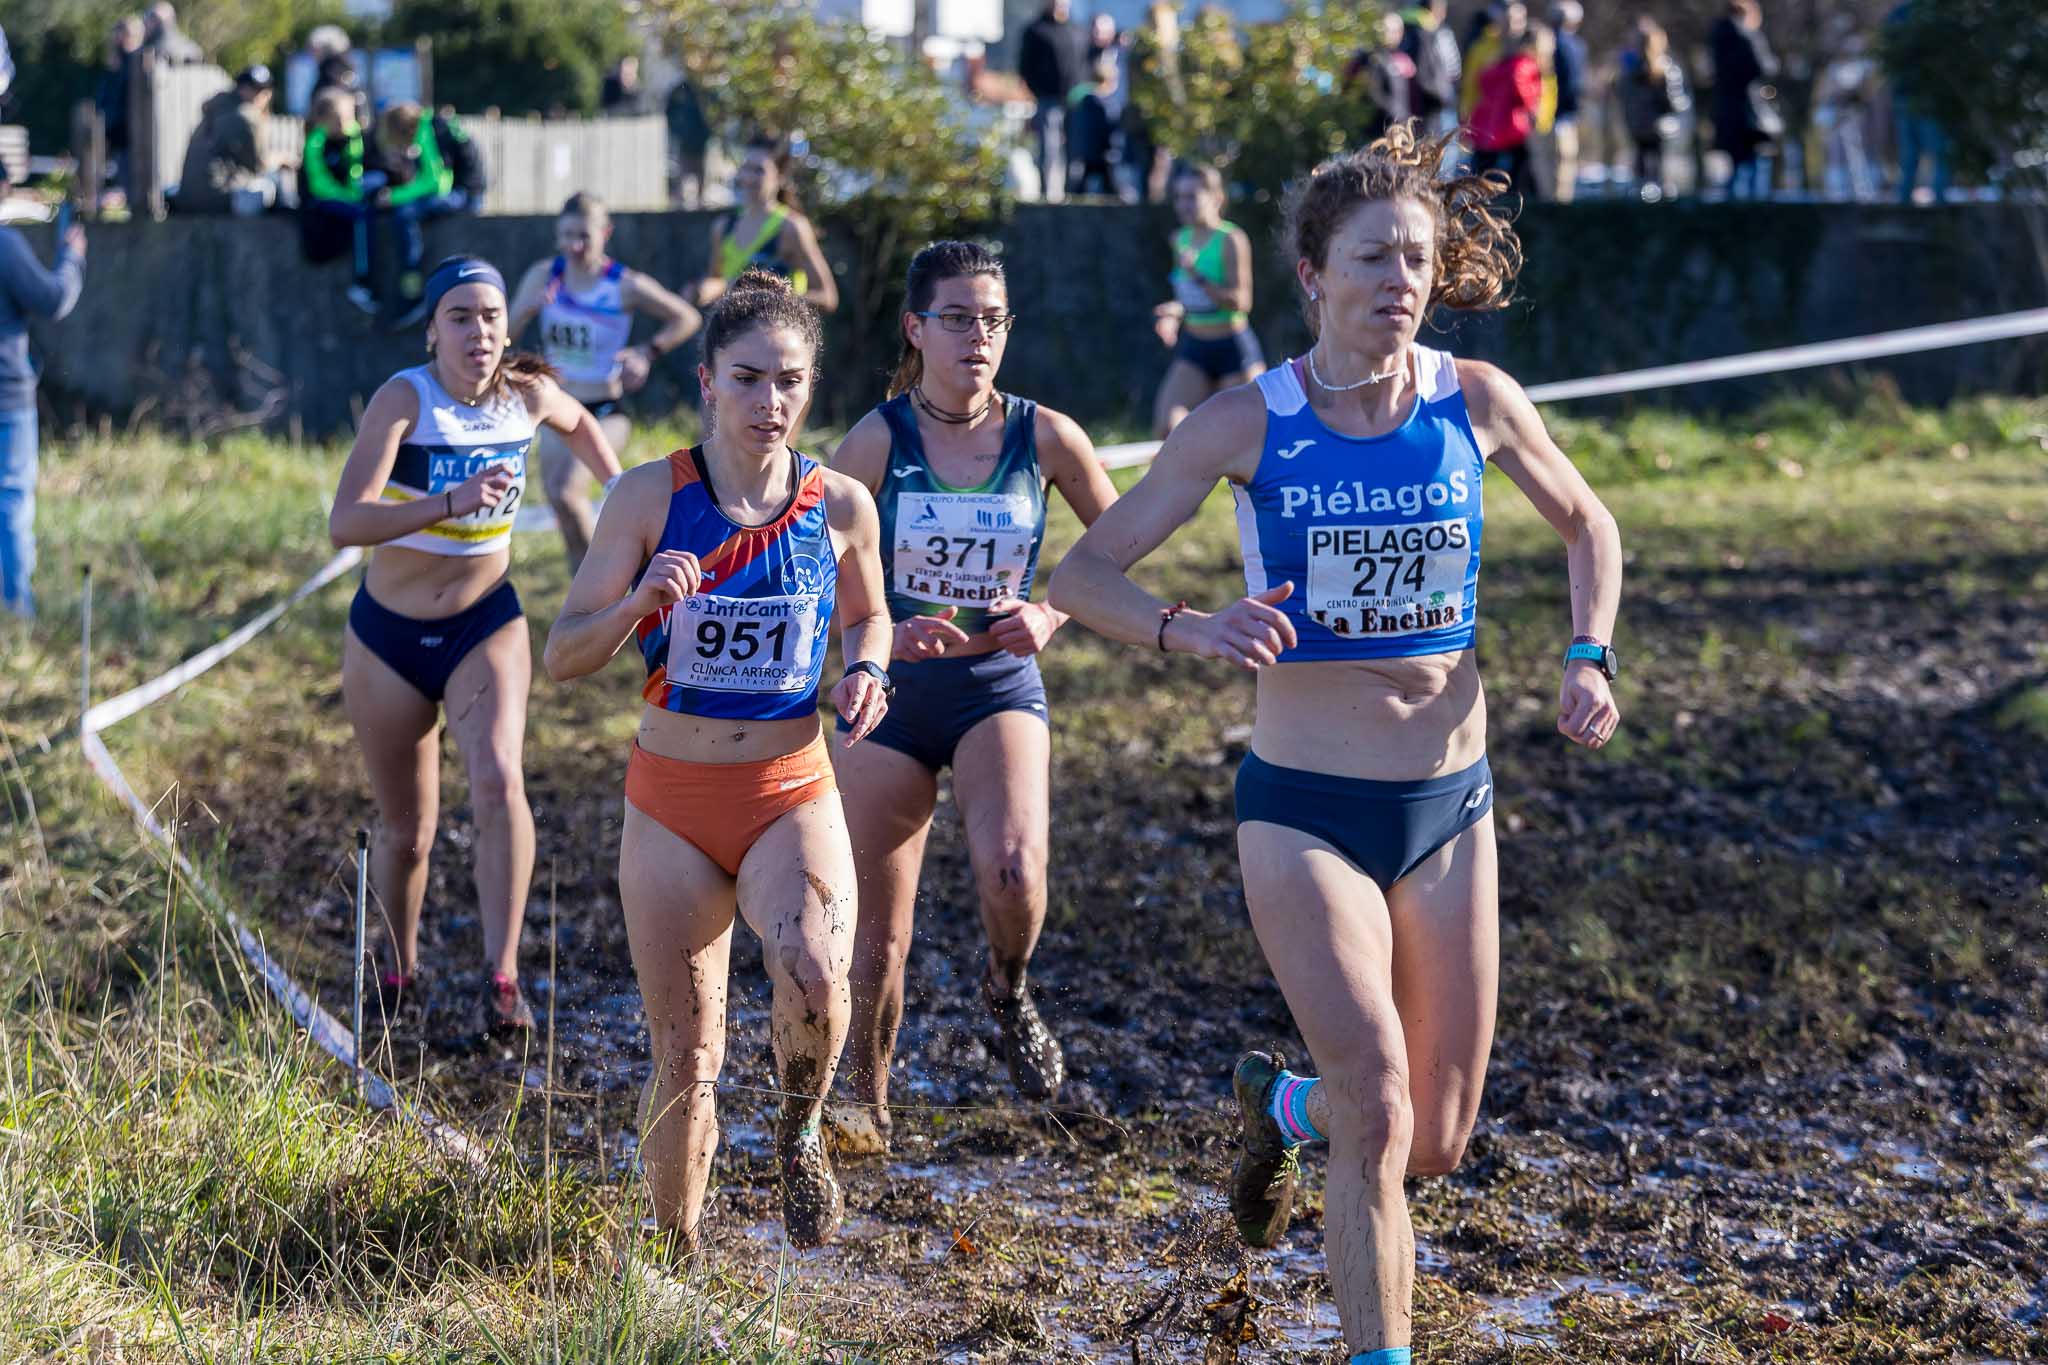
{"points": [[997, 323]]}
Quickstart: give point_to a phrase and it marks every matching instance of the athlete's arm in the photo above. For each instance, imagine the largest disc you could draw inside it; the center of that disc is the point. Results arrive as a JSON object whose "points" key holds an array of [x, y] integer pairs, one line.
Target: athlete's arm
{"points": [[679, 322], [1067, 457], [863, 455], [863, 606], [360, 516], [603, 604], [582, 433], [526, 301], [1235, 293], [1511, 434], [822, 290], [1220, 441]]}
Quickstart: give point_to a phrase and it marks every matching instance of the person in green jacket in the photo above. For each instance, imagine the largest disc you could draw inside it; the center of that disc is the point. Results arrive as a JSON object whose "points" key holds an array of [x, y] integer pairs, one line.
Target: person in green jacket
{"points": [[337, 193], [432, 170]]}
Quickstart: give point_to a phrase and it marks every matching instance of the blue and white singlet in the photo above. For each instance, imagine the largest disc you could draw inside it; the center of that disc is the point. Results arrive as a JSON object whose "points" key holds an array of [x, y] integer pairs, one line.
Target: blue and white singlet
{"points": [[449, 444], [582, 334], [1379, 534]]}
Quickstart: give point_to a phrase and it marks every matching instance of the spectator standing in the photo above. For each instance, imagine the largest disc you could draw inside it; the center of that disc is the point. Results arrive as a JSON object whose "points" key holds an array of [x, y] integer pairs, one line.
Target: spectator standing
{"points": [[161, 35], [1154, 95], [689, 140], [1570, 64], [6, 65], [1049, 59], [1920, 136], [338, 73], [1384, 76], [1495, 32], [1091, 130], [1505, 117], [1651, 88], [1746, 124], [623, 95], [432, 170], [1427, 42], [224, 170], [111, 97], [26, 290]]}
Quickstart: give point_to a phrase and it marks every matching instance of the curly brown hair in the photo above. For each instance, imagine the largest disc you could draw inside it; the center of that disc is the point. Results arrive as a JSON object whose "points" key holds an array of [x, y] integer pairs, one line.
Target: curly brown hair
{"points": [[1477, 252]]}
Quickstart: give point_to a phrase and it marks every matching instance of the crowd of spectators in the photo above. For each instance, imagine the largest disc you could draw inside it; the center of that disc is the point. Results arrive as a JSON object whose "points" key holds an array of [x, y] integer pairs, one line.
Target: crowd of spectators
{"points": [[1523, 86]]}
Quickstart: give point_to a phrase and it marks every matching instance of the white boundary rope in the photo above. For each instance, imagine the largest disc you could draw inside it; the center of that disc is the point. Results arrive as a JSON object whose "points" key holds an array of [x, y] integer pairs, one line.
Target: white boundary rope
{"points": [[323, 1028], [2002, 327], [340, 1043]]}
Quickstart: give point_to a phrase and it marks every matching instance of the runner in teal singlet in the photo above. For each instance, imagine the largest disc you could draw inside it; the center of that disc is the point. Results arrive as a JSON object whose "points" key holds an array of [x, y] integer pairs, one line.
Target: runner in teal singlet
{"points": [[1207, 323], [959, 474]]}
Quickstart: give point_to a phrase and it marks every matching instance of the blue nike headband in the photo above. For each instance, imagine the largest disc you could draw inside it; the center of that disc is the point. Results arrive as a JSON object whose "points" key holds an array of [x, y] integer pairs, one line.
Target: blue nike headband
{"points": [[457, 271]]}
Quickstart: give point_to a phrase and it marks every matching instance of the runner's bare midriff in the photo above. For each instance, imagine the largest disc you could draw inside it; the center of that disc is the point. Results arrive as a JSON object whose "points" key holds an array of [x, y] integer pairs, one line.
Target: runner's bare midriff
{"points": [[1386, 720], [711, 739], [429, 587]]}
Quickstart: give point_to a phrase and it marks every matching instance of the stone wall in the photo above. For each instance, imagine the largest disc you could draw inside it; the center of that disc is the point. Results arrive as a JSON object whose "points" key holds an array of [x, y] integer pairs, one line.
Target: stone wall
{"points": [[190, 312]]}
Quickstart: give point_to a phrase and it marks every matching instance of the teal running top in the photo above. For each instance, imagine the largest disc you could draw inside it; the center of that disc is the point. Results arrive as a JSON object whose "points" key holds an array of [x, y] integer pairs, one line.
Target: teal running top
{"points": [[944, 546]]}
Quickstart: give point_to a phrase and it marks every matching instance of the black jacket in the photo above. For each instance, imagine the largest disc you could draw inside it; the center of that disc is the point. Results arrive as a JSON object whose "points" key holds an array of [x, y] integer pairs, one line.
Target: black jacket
{"points": [[1743, 118], [1050, 57]]}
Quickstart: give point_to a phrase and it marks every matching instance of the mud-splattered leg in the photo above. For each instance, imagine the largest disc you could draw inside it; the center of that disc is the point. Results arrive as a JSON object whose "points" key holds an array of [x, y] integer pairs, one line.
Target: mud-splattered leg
{"points": [[888, 797], [796, 890], [679, 916], [1000, 777]]}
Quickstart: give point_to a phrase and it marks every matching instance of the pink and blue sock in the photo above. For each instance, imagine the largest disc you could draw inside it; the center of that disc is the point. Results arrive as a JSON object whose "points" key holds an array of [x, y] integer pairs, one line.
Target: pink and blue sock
{"points": [[1287, 1102], [1393, 1355]]}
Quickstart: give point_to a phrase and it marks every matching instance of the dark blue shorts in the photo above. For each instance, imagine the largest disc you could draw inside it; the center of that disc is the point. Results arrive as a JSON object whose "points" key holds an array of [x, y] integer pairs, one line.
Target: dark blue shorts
{"points": [[424, 653], [1220, 357], [939, 700], [1384, 828]]}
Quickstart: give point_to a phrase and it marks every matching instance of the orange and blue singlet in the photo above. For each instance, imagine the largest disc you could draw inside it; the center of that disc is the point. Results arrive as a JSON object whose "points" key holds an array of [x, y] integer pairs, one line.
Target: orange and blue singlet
{"points": [[750, 643]]}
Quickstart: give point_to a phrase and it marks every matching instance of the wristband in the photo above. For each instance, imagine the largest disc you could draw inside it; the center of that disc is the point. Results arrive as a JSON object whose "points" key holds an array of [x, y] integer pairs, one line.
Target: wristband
{"points": [[450, 496], [1166, 615]]}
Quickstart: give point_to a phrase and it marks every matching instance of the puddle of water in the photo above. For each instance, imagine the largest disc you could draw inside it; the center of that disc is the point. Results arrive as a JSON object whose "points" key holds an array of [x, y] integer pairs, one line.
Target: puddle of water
{"points": [[1530, 1318]]}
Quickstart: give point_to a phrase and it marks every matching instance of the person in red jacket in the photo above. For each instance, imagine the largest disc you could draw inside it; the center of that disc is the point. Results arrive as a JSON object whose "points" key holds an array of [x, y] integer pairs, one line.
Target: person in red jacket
{"points": [[1503, 124]]}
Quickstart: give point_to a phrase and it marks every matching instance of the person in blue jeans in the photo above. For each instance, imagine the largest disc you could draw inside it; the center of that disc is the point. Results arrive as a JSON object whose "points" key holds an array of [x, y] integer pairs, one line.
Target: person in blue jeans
{"points": [[26, 290]]}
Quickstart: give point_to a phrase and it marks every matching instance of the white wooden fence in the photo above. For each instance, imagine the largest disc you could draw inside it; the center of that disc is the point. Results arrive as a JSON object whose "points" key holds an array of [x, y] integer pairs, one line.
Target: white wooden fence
{"points": [[531, 165]]}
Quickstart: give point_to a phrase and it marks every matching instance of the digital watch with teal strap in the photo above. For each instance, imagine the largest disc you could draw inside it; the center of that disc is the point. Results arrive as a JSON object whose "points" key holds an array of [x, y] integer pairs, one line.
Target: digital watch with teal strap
{"points": [[1594, 652]]}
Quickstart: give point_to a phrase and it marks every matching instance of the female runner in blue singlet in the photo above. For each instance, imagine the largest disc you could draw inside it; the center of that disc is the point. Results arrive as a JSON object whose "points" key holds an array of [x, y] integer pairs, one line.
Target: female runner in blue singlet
{"points": [[959, 473], [585, 301], [1365, 830], [434, 482], [725, 562]]}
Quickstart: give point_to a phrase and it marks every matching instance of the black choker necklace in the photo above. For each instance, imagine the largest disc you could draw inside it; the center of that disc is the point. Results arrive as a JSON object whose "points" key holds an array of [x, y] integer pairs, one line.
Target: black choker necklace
{"points": [[939, 414]]}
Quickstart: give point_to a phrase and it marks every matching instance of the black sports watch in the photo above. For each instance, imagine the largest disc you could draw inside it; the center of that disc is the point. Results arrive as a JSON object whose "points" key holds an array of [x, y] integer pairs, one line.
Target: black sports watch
{"points": [[875, 671], [1594, 652]]}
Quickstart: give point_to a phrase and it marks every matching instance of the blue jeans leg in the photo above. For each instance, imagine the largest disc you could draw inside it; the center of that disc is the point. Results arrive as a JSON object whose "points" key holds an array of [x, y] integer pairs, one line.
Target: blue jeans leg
{"points": [[17, 510]]}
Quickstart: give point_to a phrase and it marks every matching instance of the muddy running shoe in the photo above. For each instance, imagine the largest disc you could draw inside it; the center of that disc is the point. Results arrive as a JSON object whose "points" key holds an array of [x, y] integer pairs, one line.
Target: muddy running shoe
{"points": [[396, 1002], [1262, 1181], [505, 1011], [857, 1129], [811, 1202], [1036, 1064]]}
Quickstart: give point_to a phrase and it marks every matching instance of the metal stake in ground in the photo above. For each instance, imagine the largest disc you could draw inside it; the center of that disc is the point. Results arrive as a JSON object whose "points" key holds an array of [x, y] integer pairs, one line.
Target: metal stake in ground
{"points": [[85, 649], [362, 928]]}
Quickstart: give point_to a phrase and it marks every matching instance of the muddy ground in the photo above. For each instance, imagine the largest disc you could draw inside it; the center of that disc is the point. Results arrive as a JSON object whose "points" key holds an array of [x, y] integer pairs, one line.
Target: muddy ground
{"points": [[1771, 1079]]}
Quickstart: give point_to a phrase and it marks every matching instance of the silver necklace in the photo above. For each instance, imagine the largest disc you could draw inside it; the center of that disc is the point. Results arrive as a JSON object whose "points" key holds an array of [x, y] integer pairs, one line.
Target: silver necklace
{"points": [[1346, 388]]}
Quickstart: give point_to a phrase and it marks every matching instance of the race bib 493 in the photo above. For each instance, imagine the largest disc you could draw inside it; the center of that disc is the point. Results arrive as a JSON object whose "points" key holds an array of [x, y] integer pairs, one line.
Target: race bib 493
{"points": [[1381, 581]]}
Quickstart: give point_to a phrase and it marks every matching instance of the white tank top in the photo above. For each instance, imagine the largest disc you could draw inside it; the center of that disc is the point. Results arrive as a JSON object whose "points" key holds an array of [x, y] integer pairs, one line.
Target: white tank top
{"points": [[450, 443], [582, 334]]}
